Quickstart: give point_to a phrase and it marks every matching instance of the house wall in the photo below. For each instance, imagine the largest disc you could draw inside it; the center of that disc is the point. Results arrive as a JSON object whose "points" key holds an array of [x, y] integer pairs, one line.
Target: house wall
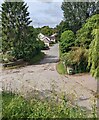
{"points": [[47, 44], [45, 39]]}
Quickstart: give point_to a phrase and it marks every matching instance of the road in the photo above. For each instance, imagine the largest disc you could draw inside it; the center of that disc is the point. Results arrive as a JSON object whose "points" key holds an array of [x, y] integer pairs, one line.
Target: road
{"points": [[45, 79]]}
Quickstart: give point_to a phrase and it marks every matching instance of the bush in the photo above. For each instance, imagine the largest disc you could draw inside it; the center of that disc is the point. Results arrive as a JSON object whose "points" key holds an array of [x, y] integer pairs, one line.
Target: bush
{"points": [[7, 57], [77, 58], [67, 40], [41, 44]]}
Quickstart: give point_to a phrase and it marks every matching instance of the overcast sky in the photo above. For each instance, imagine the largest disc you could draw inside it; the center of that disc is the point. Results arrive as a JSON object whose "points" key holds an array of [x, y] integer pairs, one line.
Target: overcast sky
{"points": [[44, 12]]}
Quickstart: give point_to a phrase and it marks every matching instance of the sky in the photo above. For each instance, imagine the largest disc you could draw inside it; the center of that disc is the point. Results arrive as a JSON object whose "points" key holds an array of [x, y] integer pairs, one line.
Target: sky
{"points": [[44, 12]]}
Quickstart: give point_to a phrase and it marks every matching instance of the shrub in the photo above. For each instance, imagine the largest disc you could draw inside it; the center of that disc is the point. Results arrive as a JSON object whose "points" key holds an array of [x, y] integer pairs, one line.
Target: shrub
{"points": [[8, 57], [78, 59], [67, 41], [41, 44]]}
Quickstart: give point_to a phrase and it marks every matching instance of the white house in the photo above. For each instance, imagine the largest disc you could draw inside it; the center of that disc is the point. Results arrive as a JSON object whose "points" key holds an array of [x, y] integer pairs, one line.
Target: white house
{"points": [[44, 38], [53, 37], [47, 40]]}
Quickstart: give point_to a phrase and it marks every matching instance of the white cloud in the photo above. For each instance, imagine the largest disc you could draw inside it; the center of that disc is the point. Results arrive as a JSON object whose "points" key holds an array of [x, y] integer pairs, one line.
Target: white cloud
{"points": [[43, 13]]}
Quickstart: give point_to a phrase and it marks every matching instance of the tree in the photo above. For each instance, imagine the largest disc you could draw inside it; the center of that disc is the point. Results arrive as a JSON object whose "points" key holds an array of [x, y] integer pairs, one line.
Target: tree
{"points": [[16, 35], [84, 35], [94, 54], [76, 13], [46, 30], [67, 40], [63, 26]]}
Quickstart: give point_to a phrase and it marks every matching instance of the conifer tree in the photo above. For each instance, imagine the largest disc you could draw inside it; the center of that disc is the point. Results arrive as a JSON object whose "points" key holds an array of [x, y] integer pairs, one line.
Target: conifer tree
{"points": [[76, 13], [15, 34]]}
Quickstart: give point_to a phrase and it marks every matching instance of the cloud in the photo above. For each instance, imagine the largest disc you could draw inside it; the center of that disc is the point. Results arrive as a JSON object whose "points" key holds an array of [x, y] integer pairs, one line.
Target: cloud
{"points": [[45, 1], [44, 13]]}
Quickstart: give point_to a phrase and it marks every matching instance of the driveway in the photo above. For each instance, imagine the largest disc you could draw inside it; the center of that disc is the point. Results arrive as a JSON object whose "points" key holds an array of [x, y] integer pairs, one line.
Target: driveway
{"points": [[43, 77]]}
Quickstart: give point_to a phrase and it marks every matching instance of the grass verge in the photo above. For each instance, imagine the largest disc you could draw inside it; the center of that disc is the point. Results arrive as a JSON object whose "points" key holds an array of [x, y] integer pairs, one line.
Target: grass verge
{"points": [[60, 68], [17, 107]]}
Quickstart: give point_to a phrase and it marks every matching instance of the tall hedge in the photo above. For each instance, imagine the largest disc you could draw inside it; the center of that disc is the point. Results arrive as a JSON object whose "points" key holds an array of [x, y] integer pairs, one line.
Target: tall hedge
{"points": [[67, 40]]}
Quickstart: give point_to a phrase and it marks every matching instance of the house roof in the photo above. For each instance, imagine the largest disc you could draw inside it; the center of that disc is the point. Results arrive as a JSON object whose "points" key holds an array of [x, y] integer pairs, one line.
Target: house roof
{"points": [[44, 38], [54, 35]]}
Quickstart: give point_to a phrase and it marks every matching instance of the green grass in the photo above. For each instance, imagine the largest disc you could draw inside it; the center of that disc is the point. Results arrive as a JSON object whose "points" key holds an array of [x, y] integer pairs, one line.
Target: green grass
{"points": [[60, 68], [17, 107], [7, 97]]}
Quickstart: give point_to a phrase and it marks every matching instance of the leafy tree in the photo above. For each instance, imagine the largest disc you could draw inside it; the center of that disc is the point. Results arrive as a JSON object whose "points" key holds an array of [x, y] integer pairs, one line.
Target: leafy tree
{"points": [[16, 35], [46, 30], [94, 54], [34, 34], [76, 13], [84, 35], [38, 30], [63, 26], [67, 40]]}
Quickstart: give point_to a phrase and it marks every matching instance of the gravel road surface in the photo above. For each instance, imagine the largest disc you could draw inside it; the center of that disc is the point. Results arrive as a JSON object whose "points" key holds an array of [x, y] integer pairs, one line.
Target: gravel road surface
{"points": [[44, 78]]}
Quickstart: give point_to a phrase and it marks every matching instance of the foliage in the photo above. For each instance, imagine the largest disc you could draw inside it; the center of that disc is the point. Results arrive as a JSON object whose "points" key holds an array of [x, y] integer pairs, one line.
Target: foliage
{"points": [[77, 58], [16, 107], [7, 57], [61, 68], [17, 36], [46, 30], [67, 40], [84, 35], [37, 58], [63, 26], [41, 44], [94, 54], [76, 13]]}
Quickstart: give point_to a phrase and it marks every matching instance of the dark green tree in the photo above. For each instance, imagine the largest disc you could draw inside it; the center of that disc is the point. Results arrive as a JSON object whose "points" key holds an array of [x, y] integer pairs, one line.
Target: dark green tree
{"points": [[16, 35], [46, 30], [76, 13], [63, 26]]}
